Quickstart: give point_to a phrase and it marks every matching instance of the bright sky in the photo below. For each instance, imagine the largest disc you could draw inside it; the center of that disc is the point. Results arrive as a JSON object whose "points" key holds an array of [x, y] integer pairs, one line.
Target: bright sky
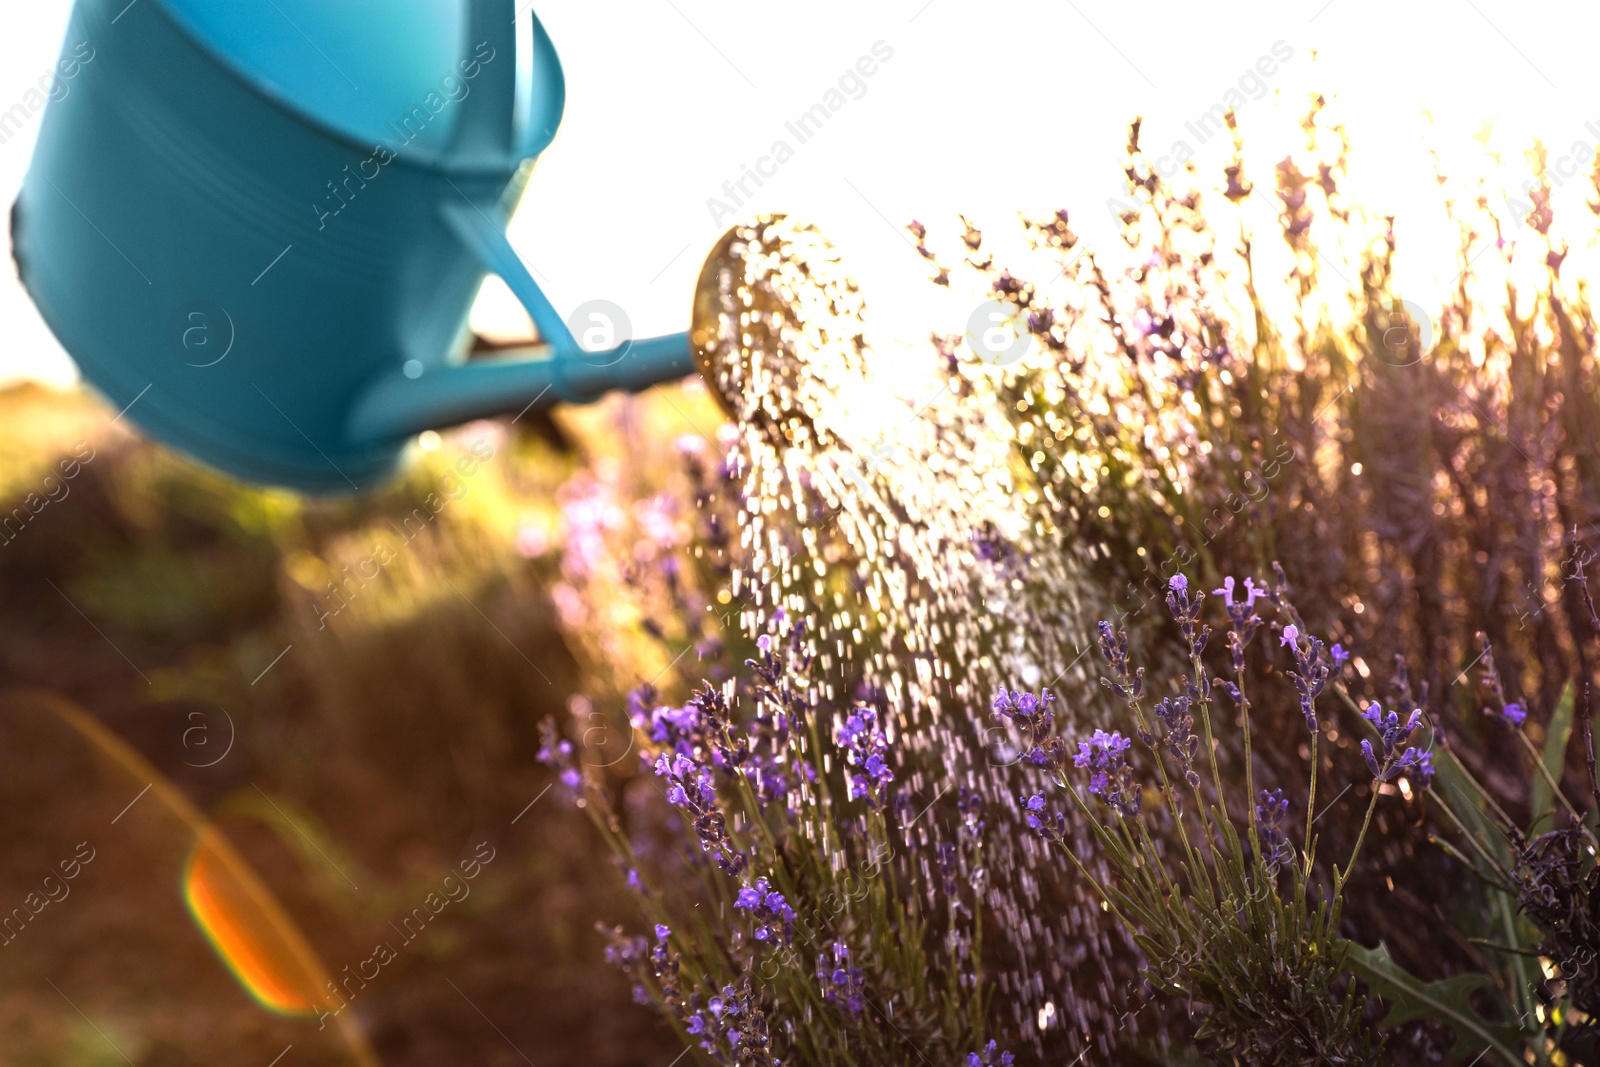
{"points": [[980, 108]]}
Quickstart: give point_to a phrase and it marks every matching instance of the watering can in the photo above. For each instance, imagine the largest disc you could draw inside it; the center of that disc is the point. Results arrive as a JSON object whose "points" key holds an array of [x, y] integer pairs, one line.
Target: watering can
{"points": [[258, 226]]}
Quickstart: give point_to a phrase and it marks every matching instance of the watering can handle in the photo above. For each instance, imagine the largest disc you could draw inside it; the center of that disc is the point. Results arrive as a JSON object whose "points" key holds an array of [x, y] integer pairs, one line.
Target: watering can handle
{"points": [[413, 397], [401, 404], [485, 127]]}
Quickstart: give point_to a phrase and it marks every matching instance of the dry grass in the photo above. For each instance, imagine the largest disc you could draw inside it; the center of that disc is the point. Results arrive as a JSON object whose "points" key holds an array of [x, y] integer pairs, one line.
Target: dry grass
{"points": [[389, 743]]}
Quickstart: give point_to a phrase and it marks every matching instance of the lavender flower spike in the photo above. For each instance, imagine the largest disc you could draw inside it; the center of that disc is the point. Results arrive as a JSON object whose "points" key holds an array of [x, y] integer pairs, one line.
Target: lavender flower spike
{"points": [[1180, 739], [865, 750], [1241, 609], [1242, 617], [770, 910], [841, 983], [1186, 612], [692, 788], [1052, 826], [1312, 667], [1514, 713], [1105, 756], [991, 1056], [1033, 718], [1388, 762], [1271, 809]]}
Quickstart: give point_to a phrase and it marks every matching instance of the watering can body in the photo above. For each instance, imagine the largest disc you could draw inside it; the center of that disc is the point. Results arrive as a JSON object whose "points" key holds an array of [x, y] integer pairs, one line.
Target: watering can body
{"points": [[256, 266]]}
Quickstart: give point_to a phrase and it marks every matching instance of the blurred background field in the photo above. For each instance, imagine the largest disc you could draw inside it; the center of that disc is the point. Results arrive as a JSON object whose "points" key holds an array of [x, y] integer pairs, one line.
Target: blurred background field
{"points": [[356, 741]]}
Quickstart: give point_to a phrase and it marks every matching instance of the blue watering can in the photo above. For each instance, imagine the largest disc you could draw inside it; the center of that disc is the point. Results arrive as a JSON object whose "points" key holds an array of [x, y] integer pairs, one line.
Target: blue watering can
{"points": [[258, 226]]}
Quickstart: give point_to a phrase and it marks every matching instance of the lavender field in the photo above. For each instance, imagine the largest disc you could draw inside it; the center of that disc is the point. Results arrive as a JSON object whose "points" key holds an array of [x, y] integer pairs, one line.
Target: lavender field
{"points": [[1182, 655]]}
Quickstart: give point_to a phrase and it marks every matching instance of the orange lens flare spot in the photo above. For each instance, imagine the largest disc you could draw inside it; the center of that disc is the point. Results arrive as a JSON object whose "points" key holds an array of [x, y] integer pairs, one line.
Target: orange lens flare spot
{"points": [[249, 931]]}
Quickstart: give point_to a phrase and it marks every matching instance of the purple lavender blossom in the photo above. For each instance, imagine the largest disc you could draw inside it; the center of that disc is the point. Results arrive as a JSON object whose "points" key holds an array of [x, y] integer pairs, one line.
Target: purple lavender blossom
{"points": [[637, 958], [1105, 756], [782, 693], [1339, 656], [1271, 809], [556, 751], [1251, 591], [1371, 758], [841, 983], [1417, 765], [1312, 665], [1033, 718], [626, 952], [1101, 749], [865, 749], [775, 781], [969, 804], [992, 546], [1127, 684], [1242, 617], [1389, 762], [678, 729], [1514, 713], [1391, 731], [780, 703], [700, 730], [990, 1056], [1180, 738], [732, 1025], [1186, 612], [1412, 763], [1052, 826], [772, 913], [692, 788], [1510, 710]]}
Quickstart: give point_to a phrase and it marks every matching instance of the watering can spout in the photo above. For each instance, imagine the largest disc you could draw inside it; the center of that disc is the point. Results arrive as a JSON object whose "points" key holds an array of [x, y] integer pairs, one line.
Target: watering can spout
{"points": [[400, 405]]}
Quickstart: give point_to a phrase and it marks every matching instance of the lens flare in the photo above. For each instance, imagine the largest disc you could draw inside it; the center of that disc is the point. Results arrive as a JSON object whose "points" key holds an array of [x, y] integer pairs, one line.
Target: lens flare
{"points": [[245, 925], [248, 930]]}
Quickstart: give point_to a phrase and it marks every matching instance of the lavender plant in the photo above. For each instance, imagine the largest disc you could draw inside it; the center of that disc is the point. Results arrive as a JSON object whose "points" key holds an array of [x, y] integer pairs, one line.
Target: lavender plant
{"points": [[803, 940], [1422, 495], [1430, 475], [1542, 937], [1227, 907]]}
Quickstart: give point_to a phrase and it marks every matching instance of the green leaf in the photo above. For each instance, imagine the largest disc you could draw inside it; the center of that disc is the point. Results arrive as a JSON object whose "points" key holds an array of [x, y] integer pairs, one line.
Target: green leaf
{"points": [[1458, 791], [1557, 737], [1411, 998], [1461, 793]]}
